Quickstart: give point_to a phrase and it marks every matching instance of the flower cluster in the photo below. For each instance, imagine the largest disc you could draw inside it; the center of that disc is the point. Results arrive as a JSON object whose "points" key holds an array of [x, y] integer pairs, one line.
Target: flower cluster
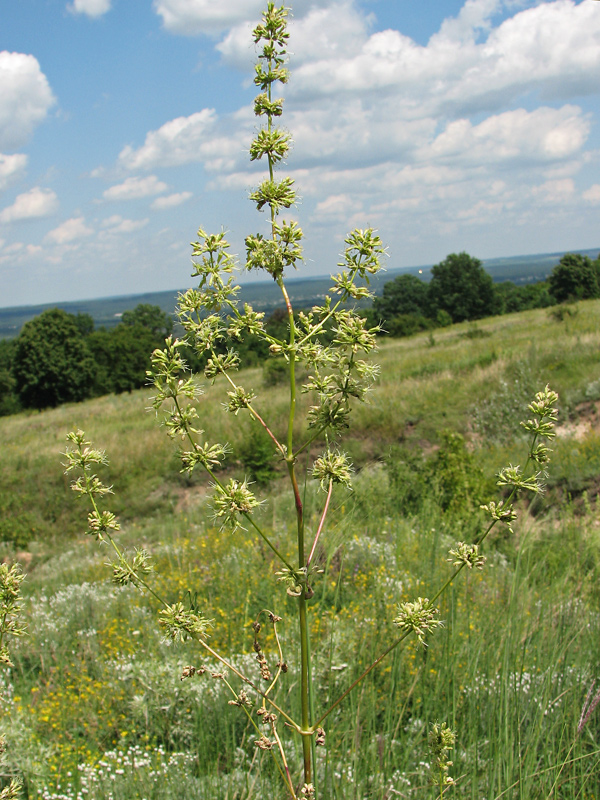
{"points": [[180, 624], [10, 607], [441, 740], [418, 617], [467, 554]]}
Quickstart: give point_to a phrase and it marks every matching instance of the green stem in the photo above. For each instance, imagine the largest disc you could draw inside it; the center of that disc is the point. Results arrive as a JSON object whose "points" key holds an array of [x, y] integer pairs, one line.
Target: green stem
{"points": [[320, 528], [247, 515], [305, 687], [304, 690], [359, 679], [255, 414]]}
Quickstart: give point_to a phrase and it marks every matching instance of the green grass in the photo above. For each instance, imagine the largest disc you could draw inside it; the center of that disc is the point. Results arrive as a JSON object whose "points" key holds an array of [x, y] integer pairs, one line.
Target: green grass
{"points": [[95, 691]]}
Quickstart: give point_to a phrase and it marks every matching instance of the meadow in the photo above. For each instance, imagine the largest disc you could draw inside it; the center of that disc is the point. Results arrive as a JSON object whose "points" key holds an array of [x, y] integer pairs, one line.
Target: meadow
{"points": [[94, 705]]}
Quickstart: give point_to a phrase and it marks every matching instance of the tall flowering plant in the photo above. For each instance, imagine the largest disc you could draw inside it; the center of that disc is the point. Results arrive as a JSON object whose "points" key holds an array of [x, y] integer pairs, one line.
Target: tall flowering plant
{"points": [[331, 343]]}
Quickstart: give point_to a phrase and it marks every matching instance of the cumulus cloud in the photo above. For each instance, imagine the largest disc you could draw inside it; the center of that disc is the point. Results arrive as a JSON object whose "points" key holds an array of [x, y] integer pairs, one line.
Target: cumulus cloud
{"points": [[336, 207], [551, 48], [545, 134], [91, 8], [185, 140], [25, 98], [592, 195], [69, 231], [11, 166], [555, 192], [171, 200], [192, 17], [33, 204], [337, 30], [134, 188], [13, 248], [116, 225]]}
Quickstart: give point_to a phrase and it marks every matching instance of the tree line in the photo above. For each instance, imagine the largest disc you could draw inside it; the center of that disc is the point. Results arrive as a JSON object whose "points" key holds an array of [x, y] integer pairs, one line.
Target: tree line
{"points": [[60, 357], [461, 290]]}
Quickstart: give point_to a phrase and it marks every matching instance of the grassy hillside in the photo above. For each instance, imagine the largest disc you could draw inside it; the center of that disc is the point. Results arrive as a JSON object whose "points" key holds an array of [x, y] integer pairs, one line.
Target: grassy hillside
{"points": [[95, 705]]}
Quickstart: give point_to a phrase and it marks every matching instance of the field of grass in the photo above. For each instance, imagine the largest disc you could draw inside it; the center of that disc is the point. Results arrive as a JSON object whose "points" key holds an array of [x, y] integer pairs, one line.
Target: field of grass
{"points": [[94, 706]]}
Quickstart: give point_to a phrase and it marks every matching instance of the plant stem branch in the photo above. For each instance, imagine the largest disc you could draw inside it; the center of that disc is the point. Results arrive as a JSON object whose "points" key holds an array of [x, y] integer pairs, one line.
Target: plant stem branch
{"points": [[321, 523]]}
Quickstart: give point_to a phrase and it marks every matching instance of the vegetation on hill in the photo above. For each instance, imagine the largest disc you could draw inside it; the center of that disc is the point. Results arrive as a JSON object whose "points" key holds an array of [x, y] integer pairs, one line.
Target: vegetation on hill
{"points": [[92, 692], [39, 369]]}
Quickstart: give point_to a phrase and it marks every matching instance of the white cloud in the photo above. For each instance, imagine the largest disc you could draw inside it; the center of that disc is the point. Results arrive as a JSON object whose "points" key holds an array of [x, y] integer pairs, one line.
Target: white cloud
{"points": [[555, 192], [25, 98], [592, 195], [545, 134], [337, 30], [473, 17], [336, 207], [70, 230], [551, 48], [31, 205], [115, 219], [92, 8], [116, 224], [134, 188], [192, 17], [183, 140], [16, 247], [171, 200], [209, 17], [10, 166]]}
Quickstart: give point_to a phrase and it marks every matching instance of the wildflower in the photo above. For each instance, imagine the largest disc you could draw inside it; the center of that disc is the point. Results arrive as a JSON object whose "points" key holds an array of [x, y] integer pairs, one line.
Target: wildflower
{"points": [[467, 554], [12, 791], [441, 739], [418, 617], [180, 624], [232, 500], [332, 467]]}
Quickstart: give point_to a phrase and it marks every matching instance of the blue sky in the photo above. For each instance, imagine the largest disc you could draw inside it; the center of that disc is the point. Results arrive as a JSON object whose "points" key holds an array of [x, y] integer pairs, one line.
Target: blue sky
{"points": [[448, 125]]}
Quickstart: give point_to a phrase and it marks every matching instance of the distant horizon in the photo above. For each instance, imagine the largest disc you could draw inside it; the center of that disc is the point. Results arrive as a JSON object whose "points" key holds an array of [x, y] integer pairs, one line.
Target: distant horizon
{"points": [[293, 278]]}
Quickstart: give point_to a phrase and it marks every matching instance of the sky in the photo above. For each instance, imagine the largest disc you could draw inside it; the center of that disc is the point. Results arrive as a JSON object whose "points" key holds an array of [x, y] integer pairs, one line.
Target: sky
{"points": [[446, 125]]}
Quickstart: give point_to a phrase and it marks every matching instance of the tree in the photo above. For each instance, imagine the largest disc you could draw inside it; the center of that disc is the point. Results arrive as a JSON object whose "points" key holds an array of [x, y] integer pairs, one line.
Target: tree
{"points": [[512, 297], [51, 362], [9, 403], [461, 287], [85, 323], [406, 294], [123, 357], [153, 318], [575, 277]]}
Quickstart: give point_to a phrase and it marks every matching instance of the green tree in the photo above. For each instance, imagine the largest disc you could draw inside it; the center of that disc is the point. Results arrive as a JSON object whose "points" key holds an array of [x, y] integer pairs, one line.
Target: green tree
{"points": [[85, 323], [460, 286], [153, 318], [52, 363], [513, 297], [9, 403], [406, 294], [123, 356], [574, 278]]}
